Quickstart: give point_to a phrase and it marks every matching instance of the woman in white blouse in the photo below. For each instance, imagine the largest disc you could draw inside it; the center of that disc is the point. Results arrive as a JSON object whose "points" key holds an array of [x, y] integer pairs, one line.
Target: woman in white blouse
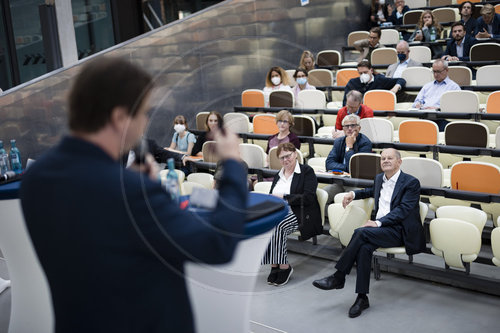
{"points": [[296, 183], [276, 79]]}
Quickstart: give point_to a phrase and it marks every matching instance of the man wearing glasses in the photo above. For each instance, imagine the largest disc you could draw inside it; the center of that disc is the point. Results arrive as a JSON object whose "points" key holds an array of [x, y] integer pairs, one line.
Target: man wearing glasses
{"points": [[429, 96], [366, 46]]}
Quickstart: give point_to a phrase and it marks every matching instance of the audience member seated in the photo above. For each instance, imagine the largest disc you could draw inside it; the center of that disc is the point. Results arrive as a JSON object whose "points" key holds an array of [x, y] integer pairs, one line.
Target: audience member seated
{"points": [[213, 122], [343, 148], [395, 70], [369, 81], [430, 95], [300, 77], [396, 17], [366, 46], [160, 154], [307, 61], [182, 141], [353, 106], [284, 120], [424, 32], [488, 25], [378, 13], [466, 9], [276, 79], [295, 183], [458, 47]]}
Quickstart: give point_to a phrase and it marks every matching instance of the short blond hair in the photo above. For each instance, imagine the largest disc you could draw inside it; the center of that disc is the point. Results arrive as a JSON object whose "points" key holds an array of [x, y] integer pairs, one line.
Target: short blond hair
{"points": [[285, 115]]}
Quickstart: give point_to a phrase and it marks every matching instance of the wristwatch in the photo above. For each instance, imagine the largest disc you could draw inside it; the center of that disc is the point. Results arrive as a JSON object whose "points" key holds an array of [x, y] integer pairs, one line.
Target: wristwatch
{"points": [[347, 149]]}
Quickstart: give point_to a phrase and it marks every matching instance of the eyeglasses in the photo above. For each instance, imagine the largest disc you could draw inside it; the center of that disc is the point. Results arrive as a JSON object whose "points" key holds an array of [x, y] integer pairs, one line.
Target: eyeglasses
{"points": [[350, 125], [286, 157], [282, 121]]}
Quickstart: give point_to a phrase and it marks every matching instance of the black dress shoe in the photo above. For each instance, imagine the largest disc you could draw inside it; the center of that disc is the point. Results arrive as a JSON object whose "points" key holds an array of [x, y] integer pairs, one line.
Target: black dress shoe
{"points": [[328, 283], [358, 307]]}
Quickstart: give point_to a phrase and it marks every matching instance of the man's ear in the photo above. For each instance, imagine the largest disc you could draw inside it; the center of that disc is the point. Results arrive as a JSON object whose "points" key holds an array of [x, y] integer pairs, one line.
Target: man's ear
{"points": [[119, 118]]}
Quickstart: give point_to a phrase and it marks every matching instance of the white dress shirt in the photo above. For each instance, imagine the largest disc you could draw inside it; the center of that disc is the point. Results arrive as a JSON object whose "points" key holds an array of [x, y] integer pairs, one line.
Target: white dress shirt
{"points": [[399, 70], [384, 201], [284, 184]]}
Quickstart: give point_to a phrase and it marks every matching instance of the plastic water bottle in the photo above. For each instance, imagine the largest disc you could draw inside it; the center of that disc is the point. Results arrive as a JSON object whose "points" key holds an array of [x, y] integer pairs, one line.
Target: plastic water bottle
{"points": [[15, 158], [4, 160], [400, 36], [172, 184], [433, 34]]}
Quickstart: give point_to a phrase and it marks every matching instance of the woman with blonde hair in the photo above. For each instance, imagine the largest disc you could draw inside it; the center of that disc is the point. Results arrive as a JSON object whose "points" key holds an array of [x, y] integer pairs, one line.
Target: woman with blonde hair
{"points": [[284, 120], [307, 60], [424, 31], [276, 79]]}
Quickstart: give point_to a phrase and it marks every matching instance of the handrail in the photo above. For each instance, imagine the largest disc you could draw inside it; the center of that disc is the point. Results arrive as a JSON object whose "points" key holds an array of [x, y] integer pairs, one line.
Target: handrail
{"points": [[431, 115], [355, 182], [434, 149]]}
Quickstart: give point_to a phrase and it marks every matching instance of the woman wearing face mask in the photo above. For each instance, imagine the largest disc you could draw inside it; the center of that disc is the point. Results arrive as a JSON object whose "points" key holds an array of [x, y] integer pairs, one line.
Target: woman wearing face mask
{"points": [[276, 79], [424, 32], [300, 77], [213, 122], [307, 61], [182, 140]]}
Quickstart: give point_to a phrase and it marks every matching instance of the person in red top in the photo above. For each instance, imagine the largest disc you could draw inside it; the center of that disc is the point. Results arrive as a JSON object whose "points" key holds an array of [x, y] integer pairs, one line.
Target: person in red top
{"points": [[353, 106]]}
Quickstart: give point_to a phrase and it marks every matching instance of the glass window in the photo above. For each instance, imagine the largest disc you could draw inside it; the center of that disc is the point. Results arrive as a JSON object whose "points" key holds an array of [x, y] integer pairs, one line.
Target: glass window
{"points": [[93, 26], [28, 38]]}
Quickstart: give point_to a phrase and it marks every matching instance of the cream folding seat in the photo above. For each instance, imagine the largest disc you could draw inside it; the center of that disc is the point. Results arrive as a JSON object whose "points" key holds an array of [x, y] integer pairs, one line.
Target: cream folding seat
{"points": [[320, 77], [460, 101], [311, 99], [262, 187], [392, 251], [389, 36], [495, 245], [317, 163], [377, 129], [420, 53], [187, 187], [163, 176], [469, 214], [462, 75], [237, 122], [457, 241], [253, 155], [343, 222], [328, 58], [202, 178], [429, 172]]}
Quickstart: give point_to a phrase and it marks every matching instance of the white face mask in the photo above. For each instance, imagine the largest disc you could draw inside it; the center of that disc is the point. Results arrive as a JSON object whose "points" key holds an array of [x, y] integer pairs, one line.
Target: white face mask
{"points": [[276, 80], [364, 78], [179, 128]]}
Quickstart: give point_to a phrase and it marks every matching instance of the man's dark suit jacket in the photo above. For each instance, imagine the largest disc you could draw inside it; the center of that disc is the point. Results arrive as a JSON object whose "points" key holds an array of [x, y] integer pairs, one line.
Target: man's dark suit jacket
{"points": [[405, 209], [470, 26], [482, 25], [379, 82], [303, 201], [113, 245], [451, 47], [394, 18], [336, 157]]}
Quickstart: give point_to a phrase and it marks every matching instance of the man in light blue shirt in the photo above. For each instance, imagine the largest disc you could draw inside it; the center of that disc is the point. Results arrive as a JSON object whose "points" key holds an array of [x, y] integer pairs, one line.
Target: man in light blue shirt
{"points": [[429, 96]]}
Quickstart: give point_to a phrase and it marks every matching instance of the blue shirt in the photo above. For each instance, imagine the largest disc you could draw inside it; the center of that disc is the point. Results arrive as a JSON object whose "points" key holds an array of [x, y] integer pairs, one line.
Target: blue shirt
{"points": [[430, 94]]}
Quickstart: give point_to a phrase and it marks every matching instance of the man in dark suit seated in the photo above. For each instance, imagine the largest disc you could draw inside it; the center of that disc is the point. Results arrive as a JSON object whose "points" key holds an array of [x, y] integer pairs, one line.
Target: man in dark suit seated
{"points": [[111, 241], [343, 149], [488, 25], [396, 222], [466, 9], [458, 47], [369, 81]]}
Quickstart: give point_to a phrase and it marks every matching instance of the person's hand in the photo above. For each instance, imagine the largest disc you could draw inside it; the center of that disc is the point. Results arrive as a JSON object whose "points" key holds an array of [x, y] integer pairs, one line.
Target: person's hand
{"points": [[149, 167], [186, 159], [370, 224], [228, 146], [418, 37], [483, 34], [396, 88], [337, 134], [350, 140], [347, 199], [430, 107], [400, 9], [418, 105]]}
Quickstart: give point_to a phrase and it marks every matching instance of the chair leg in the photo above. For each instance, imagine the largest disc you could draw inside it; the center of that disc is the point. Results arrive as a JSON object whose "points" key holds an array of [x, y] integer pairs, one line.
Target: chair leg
{"points": [[376, 268], [410, 259], [467, 268], [315, 240]]}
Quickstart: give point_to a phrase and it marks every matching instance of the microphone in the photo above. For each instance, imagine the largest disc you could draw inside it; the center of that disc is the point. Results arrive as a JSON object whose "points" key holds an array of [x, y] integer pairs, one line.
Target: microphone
{"points": [[8, 175]]}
